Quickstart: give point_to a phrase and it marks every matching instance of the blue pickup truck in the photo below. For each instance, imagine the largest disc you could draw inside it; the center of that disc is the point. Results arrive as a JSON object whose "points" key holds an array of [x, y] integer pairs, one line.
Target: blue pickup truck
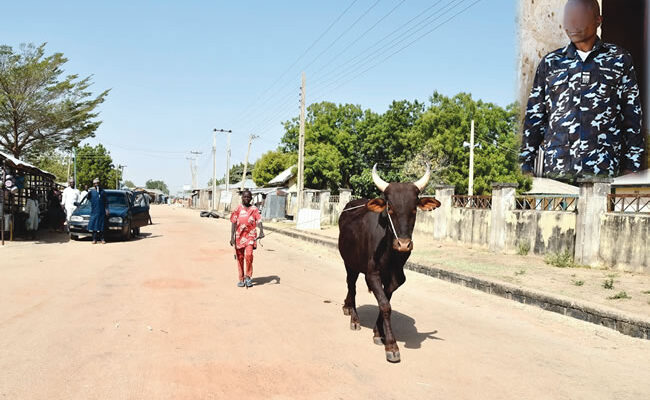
{"points": [[128, 212]]}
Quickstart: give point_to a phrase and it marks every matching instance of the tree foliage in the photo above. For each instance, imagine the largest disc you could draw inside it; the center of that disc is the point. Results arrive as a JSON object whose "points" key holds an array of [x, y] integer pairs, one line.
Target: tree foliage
{"points": [[41, 110], [55, 163], [343, 142], [270, 164], [95, 162], [160, 185], [129, 184]]}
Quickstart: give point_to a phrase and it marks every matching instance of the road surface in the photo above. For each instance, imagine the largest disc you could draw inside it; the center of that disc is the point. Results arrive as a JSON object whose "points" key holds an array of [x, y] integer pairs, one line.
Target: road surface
{"points": [[161, 318]]}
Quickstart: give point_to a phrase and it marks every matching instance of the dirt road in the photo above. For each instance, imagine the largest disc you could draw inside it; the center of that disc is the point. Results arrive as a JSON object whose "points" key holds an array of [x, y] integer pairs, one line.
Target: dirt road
{"points": [[161, 318]]}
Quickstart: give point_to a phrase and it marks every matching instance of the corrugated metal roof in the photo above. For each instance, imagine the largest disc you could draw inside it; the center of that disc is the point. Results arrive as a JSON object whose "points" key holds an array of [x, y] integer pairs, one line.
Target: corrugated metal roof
{"points": [[23, 165], [282, 177], [551, 186], [641, 178]]}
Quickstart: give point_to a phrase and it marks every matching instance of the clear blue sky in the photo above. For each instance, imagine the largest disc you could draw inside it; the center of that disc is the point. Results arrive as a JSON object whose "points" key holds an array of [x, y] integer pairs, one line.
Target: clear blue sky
{"points": [[177, 70]]}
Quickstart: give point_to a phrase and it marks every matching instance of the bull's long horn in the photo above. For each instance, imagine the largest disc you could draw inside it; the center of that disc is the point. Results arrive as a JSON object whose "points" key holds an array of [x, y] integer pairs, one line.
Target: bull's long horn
{"points": [[381, 184], [422, 182]]}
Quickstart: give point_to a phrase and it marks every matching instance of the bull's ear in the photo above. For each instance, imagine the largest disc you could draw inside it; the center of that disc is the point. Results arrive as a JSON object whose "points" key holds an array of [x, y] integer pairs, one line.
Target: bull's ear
{"points": [[428, 203], [376, 205]]}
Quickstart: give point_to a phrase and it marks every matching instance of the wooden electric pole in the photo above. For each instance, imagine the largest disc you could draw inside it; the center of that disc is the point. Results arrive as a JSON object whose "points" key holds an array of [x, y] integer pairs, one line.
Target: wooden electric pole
{"points": [[301, 146], [214, 169], [470, 189], [248, 152]]}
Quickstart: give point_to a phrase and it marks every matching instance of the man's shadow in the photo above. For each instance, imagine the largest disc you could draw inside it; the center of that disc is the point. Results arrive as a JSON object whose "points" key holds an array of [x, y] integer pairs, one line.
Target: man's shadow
{"points": [[403, 326], [263, 280]]}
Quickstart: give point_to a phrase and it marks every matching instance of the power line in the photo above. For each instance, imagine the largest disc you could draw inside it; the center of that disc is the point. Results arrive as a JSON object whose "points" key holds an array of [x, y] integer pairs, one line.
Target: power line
{"points": [[245, 114]]}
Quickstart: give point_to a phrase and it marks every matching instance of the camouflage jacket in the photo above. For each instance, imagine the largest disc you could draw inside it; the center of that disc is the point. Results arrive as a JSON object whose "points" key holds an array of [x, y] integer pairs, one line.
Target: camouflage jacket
{"points": [[585, 115]]}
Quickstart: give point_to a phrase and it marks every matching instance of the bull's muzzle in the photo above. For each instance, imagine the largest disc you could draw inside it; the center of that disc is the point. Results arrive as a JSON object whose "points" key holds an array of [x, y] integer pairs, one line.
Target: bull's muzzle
{"points": [[403, 245]]}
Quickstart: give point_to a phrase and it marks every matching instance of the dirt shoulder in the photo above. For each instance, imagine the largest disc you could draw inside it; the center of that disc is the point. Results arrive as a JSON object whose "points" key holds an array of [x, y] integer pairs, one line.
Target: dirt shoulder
{"points": [[526, 272]]}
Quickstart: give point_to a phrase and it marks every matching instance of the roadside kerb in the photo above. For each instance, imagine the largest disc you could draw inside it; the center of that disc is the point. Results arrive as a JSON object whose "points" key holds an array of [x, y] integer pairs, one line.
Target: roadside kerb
{"points": [[624, 324]]}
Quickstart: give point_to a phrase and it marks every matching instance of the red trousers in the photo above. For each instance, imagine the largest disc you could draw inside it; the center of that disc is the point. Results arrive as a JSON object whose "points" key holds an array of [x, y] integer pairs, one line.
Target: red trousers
{"points": [[247, 254]]}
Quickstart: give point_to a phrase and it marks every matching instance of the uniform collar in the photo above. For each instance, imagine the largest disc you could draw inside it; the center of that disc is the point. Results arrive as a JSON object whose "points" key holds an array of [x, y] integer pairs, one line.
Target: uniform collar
{"points": [[572, 51]]}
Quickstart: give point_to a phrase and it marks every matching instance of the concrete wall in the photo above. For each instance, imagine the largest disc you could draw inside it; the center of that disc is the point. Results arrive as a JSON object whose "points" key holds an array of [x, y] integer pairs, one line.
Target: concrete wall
{"points": [[425, 222], [470, 226], [624, 242], [545, 231]]}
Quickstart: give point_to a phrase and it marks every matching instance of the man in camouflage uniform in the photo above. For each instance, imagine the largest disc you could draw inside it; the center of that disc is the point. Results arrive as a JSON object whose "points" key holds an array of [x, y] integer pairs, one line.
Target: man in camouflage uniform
{"points": [[584, 108]]}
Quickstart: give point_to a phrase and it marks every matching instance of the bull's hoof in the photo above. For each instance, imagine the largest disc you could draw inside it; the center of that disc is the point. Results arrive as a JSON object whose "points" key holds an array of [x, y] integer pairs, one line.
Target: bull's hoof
{"points": [[355, 326], [378, 340], [347, 311], [392, 356]]}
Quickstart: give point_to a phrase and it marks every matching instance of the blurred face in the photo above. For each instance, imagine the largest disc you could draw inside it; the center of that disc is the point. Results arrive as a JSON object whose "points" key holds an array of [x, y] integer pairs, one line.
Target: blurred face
{"points": [[246, 198], [581, 22], [96, 184]]}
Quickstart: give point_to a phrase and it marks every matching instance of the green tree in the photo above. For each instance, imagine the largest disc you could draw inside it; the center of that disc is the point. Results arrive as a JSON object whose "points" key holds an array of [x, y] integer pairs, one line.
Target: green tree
{"points": [[237, 170], [446, 125], [270, 164], [129, 184], [41, 110], [95, 162], [55, 163], [160, 185]]}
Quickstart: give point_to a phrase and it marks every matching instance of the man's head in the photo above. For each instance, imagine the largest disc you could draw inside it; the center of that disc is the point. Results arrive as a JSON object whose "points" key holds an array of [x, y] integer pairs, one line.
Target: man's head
{"points": [[96, 182], [246, 197], [71, 183], [581, 20]]}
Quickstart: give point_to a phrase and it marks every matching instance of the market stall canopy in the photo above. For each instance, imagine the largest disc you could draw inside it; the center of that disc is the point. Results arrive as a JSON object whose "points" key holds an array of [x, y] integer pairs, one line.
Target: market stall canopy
{"points": [[24, 166]]}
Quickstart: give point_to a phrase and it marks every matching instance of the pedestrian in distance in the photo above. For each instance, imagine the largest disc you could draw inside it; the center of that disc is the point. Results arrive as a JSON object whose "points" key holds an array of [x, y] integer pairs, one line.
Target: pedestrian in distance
{"points": [[584, 109], [245, 220], [71, 196], [31, 208], [55, 213], [98, 211]]}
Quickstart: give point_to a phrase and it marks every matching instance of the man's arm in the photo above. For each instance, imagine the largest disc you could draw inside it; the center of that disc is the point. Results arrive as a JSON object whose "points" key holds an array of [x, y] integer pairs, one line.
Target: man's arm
{"points": [[631, 115], [535, 121]]}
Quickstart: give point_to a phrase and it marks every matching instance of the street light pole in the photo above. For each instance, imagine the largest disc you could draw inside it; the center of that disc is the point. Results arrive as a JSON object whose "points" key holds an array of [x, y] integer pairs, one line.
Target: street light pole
{"points": [[228, 132], [250, 141]]}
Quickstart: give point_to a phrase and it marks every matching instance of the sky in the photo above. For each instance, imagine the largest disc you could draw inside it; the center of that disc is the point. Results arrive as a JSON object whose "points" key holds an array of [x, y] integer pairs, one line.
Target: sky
{"points": [[177, 70]]}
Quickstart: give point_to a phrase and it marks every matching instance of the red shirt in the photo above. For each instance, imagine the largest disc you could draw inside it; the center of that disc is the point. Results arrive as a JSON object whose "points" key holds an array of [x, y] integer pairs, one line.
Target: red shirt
{"points": [[246, 219]]}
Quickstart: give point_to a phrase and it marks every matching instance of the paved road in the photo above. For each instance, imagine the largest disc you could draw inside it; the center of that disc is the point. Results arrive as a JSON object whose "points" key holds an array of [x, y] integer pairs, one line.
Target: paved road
{"points": [[161, 318]]}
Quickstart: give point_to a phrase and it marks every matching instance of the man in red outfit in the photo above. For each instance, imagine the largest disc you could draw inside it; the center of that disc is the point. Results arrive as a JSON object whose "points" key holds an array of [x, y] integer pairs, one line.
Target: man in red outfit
{"points": [[245, 219]]}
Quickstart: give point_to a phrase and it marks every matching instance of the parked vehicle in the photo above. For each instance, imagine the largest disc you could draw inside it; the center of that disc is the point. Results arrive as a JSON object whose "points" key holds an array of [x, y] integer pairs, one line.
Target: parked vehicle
{"points": [[128, 212]]}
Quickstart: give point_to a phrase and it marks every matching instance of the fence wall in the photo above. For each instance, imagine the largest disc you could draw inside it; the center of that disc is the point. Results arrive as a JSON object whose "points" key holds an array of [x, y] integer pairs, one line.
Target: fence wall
{"points": [[624, 241]]}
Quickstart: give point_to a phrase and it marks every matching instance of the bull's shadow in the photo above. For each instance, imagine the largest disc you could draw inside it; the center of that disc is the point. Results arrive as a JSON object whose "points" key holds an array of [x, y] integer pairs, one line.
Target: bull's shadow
{"points": [[403, 326]]}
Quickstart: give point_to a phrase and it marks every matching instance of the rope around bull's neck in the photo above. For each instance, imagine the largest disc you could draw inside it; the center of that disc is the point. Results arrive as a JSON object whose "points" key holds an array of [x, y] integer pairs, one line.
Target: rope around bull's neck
{"points": [[387, 213]]}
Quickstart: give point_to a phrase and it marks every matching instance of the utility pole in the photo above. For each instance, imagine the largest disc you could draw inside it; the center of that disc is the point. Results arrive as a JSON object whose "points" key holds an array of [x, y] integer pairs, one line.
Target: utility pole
{"points": [[75, 165], [121, 175], [214, 162], [193, 168], [470, 189], [250, 141], [214, 169], [301, 146]]}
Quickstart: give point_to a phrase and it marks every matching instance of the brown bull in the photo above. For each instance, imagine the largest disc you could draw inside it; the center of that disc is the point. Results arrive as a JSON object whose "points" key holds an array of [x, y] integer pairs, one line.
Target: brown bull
{"points": [[375, 239]]}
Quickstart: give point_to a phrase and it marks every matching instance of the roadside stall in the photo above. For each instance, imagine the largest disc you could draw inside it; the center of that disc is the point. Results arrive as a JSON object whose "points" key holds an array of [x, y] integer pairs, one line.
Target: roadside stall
{"points": [[19, 179]]}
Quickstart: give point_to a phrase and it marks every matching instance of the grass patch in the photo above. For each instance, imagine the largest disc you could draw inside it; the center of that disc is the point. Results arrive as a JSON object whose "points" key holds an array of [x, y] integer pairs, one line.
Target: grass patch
{"points": [[560, 260], [520, 272], [608, 284], [612, 275], [524, 248], [646, 292], [578, 283], [619, 295]]}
